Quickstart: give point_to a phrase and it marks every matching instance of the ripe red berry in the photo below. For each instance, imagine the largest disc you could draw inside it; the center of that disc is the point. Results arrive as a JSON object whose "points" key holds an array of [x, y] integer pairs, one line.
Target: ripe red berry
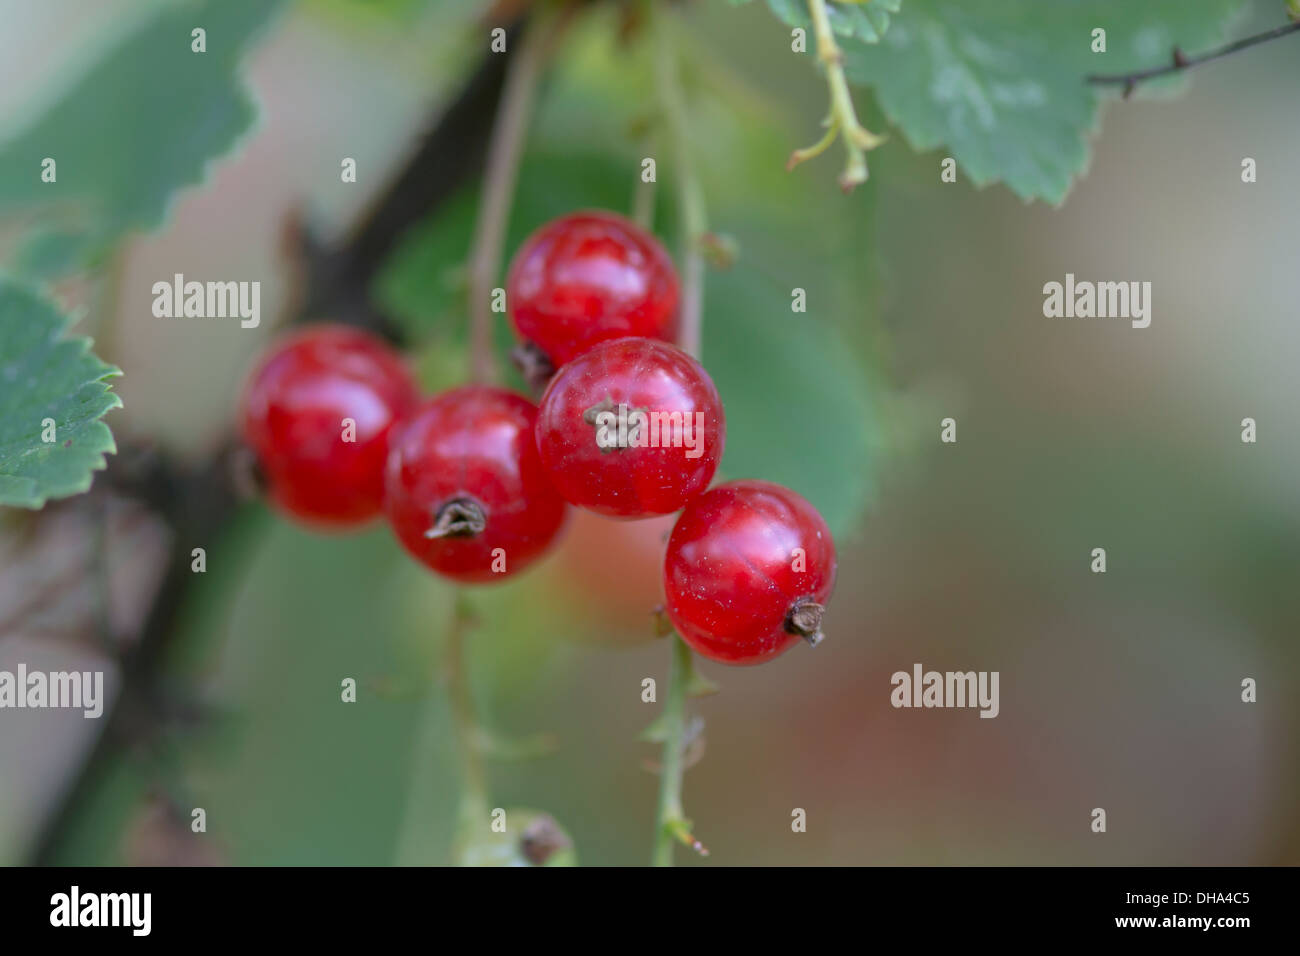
{"points": [[465, 491], [632, 428], [749, 568], [589, 277], [317, 412]]}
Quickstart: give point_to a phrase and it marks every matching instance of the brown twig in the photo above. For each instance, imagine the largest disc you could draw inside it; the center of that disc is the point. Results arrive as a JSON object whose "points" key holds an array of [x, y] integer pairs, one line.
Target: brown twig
{"points": [[198, 503], [1179, 61]]}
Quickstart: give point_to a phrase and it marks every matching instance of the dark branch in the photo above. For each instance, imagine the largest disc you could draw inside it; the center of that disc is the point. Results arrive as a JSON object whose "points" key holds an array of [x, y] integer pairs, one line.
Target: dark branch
{"points": [[1180, 61], [198, 504], [338, 281]]}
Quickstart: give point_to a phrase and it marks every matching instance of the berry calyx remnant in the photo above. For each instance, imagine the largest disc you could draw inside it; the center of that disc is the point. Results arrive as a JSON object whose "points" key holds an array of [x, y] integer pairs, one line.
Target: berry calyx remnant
{"points": [[630, 429], [465, 492]]}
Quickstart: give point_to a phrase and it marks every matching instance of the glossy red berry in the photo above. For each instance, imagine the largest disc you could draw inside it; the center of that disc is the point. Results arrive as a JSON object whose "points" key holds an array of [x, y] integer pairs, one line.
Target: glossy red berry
{"points": [[317, 412], [749, 568], [589, 277], [465, 490], [632, 428]]}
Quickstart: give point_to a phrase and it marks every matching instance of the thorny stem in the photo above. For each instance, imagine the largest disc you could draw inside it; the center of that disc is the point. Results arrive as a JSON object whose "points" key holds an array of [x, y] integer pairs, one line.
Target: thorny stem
{"points": [[505, 151], [690, 195], [671, 823], [1182, 62], [843, 119]]}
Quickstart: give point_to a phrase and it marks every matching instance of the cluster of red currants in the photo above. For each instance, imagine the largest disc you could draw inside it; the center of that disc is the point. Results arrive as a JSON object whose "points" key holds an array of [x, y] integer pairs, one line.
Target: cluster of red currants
{"points": [[474, 481]]}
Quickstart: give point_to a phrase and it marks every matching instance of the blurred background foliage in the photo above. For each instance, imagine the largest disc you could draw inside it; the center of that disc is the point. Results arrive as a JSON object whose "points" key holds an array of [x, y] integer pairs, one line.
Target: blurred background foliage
{"points": [[924, 301]]}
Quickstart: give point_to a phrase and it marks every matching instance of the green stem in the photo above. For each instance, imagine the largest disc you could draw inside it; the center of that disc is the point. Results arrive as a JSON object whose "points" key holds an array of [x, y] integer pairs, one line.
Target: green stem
{"points": [[418, 840], [643, 205], [474, 807], [690, 196], [844, 118], [505, 152], [671, 824], [416, 845], [102, 326]]}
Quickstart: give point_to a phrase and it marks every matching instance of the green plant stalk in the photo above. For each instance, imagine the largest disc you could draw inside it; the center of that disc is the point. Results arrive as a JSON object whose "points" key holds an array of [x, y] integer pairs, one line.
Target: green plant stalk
{"points": [[843, 117], [505, 153], [671, 824], [692, 211], [414, 844], [643, 205], [447, 675], [504, 156], [474, 806]]}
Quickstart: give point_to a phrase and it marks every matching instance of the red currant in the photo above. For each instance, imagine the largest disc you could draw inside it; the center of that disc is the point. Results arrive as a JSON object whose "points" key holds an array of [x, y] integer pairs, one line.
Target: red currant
{"points": [[749, 568], [465, 491], [632, 428], [588, 277], [317, 412]]}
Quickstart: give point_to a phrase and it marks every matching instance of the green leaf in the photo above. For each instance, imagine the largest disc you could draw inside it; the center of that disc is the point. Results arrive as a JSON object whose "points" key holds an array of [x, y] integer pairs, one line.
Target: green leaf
{"points": [[1000, 83], [45, 376], [140, 124], [865, 22], [799, 409], [49, 253]]}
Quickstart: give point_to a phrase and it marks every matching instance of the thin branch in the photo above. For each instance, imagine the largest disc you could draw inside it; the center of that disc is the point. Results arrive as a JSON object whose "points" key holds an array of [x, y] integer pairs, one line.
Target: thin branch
{"points": [[671, 825], [505, 151], [1181, 62], [451, 154], [643, 205], [474, 806], [690, 195]]}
